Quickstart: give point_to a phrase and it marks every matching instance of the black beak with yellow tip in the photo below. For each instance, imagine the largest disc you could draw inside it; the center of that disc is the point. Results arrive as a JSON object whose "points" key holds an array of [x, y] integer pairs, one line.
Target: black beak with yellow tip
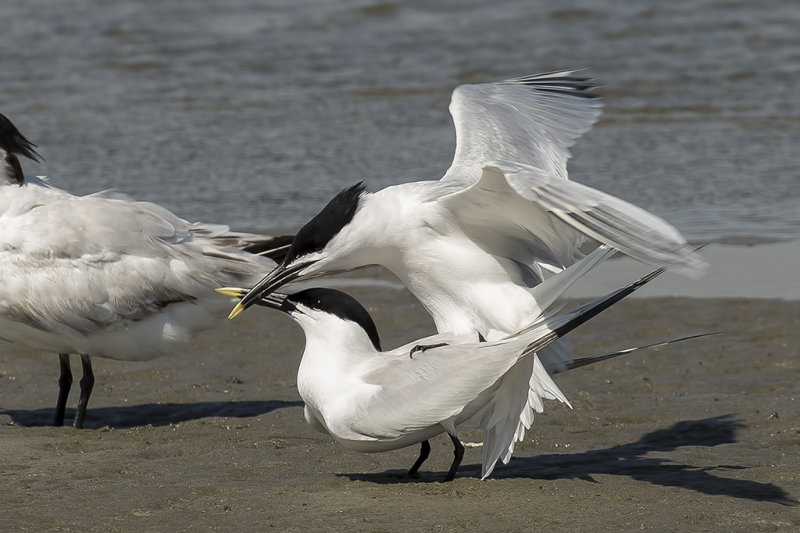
{"points": [[273, 301]]}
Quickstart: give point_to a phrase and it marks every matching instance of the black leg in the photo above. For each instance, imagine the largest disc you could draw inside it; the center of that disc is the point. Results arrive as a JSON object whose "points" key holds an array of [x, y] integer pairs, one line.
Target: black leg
{"points": [[64, 384], [458, 452], [424, 452], [87, 383]]}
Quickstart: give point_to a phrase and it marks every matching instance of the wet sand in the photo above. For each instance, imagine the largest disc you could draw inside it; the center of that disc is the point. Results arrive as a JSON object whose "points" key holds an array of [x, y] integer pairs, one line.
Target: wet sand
{"points": [[699, 436]]}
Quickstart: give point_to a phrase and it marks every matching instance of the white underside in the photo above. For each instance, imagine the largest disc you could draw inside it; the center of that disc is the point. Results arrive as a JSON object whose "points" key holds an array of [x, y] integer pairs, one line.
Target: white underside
{"points": [[162, 333]]}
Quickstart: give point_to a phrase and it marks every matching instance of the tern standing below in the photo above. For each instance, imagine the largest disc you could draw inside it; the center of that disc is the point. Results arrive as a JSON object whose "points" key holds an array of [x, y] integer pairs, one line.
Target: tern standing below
{"points": [[371, 400], [101, 275], [504, 217]]}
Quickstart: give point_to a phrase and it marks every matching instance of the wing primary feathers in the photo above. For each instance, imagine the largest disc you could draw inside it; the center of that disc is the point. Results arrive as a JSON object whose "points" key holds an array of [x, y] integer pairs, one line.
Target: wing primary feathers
{"points": [[562, 82], [584, 361], [568, 92]]}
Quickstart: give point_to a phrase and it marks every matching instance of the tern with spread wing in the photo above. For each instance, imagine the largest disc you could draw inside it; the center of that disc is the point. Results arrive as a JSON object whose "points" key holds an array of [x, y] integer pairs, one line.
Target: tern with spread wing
{"points": [[101, 275], [371, 400], [472, 245], [502, 218]]}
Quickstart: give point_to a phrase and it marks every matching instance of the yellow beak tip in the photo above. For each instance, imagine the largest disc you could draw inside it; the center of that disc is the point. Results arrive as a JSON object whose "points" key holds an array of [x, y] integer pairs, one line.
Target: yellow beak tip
{"points": [[236, 311], [233, 292]]}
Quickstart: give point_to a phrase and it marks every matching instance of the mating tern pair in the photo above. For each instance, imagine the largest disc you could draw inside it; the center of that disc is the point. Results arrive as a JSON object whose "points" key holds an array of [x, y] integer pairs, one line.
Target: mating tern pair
{"points": [[102, 275], [482, 248], [371, 400]]}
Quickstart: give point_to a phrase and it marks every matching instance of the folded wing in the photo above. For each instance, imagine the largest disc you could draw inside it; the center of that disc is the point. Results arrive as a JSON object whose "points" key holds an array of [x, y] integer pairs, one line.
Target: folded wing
{"points": [[75, 265]]}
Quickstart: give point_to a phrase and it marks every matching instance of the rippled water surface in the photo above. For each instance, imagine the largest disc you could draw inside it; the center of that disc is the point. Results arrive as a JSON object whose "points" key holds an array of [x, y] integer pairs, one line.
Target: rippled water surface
{"points": [[255, 113]]}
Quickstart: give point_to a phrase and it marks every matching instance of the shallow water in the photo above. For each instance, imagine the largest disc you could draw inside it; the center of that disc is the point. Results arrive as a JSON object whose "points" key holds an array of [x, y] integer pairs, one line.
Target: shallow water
{"points": [[255, 113]]}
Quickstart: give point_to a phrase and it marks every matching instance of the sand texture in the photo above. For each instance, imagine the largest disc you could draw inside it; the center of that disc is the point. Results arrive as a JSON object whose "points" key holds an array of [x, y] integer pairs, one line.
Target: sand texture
{"points": [[699, 436]]}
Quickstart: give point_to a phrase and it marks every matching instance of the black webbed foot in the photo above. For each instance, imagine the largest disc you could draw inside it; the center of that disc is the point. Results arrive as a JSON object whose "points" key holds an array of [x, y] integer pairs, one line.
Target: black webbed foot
{"points": [[424, 347]]}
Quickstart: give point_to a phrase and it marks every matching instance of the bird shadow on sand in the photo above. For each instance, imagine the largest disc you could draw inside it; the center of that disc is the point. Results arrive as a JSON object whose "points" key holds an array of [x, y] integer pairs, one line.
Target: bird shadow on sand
{"points": [[630, 460], [154, 414]]}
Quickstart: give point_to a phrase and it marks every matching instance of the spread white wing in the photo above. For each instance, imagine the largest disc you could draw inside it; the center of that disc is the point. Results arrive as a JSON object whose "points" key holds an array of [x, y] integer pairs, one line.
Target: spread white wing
{"points": [[530, 120], [508, 185], [524, 214]]}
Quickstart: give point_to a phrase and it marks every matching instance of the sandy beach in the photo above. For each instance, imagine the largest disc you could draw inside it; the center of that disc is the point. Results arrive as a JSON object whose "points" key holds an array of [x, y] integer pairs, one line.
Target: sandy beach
{"points": [[698, 436], [254, 114]]}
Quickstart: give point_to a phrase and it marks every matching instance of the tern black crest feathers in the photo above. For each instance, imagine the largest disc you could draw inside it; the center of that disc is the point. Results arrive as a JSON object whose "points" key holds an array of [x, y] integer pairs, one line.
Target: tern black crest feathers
{"points": [[14, 169], [336, 303], [275, 248], [13, 143], [318, 231]]}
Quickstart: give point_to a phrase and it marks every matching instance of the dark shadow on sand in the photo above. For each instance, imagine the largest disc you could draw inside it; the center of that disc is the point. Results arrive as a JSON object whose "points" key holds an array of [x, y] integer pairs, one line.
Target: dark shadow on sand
{"points": [[629, 460], [155, 414]]}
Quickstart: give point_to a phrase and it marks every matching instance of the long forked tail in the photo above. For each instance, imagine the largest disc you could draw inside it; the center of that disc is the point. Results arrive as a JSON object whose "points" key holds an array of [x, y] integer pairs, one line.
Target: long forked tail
{"points": [[544, 332], [562, 324], [584, 361], [498, 441]]}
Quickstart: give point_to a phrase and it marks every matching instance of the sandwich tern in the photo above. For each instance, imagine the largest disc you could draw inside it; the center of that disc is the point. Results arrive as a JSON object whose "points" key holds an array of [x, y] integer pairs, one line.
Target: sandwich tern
{"points": [[371, 400], [102, 275], [504, 217]]}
